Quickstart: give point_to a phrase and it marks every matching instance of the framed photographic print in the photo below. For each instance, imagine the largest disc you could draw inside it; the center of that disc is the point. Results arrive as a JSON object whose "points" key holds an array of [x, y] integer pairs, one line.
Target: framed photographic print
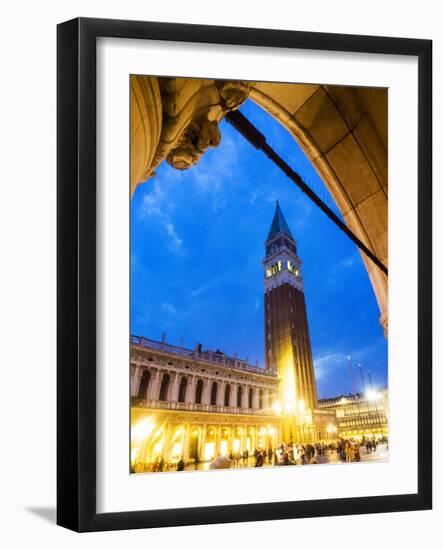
{"points": [[244, 274]]}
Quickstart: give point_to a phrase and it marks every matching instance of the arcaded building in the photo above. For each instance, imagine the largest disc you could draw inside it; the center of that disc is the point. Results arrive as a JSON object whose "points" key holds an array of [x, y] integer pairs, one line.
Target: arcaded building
{"points": [[361, 414], [197, 404]]}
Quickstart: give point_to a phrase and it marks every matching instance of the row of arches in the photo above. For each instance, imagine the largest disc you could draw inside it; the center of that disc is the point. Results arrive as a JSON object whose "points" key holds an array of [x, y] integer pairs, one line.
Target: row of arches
{"points": [[226, 399]]}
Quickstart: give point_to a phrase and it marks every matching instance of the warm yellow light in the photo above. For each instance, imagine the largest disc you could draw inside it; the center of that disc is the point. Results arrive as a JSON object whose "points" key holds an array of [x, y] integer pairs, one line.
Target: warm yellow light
{"points": [[158, 448], [195, 432], [209, 451], [176, 450], [277, 407], [134, 453], [301, 405], [372, 395], [142, 430], [236, 445], [289, 406], [223, 447], [158, 433]]}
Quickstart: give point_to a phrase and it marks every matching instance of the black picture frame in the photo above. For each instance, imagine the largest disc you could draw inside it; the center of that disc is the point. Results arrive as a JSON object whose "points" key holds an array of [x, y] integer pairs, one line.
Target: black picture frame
{"points": [[76, 278]]}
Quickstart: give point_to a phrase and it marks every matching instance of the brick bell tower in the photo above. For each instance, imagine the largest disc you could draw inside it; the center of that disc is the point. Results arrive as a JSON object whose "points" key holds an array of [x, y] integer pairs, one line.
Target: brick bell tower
{"points": [[287, 341]]}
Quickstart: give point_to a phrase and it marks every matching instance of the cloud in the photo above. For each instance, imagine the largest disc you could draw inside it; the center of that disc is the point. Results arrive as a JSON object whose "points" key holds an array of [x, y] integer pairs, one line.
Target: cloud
{"points": [[177, 241], [211, 175], [328, 362], [170, 309], [158, 203], [202, 289], [348, 262], [343, 269]]}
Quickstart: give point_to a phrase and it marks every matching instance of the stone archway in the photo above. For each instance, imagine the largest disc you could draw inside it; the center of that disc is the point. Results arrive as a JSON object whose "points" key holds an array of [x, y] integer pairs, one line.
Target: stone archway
{"points": [[342, 130]]}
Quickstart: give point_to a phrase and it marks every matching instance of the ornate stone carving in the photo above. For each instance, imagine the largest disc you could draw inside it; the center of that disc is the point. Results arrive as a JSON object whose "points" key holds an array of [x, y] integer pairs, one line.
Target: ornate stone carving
{"points": [[193, 142], [192, 109], [233, 93]]}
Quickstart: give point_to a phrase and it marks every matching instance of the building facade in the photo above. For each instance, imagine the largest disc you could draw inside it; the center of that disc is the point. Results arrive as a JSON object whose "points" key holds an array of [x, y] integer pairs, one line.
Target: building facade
{"points": [[361, 414], [198, 404]]}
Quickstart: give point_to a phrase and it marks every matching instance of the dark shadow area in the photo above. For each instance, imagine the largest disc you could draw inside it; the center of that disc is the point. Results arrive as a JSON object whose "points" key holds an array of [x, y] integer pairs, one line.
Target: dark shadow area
{"points": [[46, 513]]}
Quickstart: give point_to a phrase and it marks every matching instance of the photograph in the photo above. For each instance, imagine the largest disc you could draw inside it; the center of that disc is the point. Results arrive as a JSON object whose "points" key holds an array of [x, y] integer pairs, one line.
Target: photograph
{"points": [[258, 275]]}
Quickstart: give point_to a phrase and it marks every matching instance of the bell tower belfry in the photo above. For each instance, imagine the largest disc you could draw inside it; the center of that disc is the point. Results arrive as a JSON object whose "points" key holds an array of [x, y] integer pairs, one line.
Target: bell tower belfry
{"points": [[287, 342]]}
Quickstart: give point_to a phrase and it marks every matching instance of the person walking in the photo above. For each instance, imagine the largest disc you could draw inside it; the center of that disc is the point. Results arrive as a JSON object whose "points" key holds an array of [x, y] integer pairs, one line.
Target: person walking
{"points": [[258, 460]]}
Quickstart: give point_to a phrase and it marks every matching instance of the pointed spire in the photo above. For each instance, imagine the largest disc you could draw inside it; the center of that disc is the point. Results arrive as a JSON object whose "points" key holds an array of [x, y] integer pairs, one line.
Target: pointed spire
{"points": [[279, 224]]}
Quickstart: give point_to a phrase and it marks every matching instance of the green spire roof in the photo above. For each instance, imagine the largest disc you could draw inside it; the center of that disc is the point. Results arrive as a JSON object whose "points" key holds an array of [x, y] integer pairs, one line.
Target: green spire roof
{"points": [[279, 224]]}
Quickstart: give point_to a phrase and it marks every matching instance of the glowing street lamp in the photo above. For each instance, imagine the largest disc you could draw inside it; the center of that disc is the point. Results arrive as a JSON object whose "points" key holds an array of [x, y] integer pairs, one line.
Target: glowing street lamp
{"points": [[372, 395]]}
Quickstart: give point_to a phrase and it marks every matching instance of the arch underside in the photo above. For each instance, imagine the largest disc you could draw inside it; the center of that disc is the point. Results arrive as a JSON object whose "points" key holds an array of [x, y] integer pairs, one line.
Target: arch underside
{"points": [[342, 130]]}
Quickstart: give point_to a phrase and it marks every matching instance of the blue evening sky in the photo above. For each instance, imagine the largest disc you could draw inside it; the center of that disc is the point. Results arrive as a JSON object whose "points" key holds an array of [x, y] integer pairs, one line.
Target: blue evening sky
{"points": [[197, 241]]}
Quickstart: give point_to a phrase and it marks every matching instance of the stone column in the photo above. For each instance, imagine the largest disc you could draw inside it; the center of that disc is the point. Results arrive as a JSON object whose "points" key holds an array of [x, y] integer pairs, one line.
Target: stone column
{"points": [[173, 389], [233, 396], [255, 403], [231, 440], [146, 126], [190, 392], [166, 446], [221, 393], [186, 439], [201, 449], [206, 395], [217, 440], [136, 373], [243, 396], [154, 386]]}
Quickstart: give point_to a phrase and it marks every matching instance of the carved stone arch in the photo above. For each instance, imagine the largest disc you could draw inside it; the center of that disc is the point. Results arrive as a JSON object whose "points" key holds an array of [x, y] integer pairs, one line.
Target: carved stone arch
{"points": [[342, 130]]}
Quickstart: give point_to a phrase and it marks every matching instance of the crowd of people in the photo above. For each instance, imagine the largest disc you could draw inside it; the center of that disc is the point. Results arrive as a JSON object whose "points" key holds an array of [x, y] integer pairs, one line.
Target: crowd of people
{"points": [[285, 454]]}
